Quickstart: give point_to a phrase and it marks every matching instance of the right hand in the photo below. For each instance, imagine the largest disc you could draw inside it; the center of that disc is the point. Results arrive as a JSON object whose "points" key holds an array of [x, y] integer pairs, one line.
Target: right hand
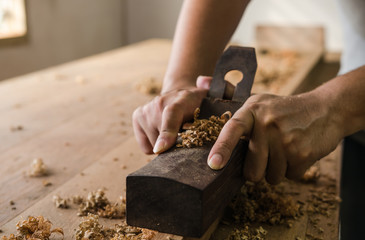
{"points": [[157, 123]]}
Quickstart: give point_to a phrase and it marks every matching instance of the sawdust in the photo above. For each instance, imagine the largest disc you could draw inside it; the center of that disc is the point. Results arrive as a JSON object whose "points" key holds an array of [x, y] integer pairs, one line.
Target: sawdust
{"points": [[247, 234], [90, 228], [203, 130], [34, 228], [263, 203]]}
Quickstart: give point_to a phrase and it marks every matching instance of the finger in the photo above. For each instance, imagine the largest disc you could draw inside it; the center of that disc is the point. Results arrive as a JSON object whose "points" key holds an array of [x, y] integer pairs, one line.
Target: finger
{"points": [[239, 125], [141, 137], [257, 155], [203, 82], [277, 164], [147, 125], [172, 118]]}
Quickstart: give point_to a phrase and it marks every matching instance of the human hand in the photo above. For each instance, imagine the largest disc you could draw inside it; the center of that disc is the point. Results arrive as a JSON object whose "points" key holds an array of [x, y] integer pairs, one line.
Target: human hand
{"points": [[287, 135], [157, 123]]}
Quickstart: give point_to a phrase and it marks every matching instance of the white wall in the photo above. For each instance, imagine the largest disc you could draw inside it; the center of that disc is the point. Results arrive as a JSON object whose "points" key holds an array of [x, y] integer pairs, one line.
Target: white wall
{"points": [[157, 18], [151, 18], [64, 30]]}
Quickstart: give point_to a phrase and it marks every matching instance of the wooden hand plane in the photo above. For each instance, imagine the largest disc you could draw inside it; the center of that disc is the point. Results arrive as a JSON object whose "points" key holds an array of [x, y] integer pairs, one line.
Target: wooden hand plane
{"points": [[177, 192]]}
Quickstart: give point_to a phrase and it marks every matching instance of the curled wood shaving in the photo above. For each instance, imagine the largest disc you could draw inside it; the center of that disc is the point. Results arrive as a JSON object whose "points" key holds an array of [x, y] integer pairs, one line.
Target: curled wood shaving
{"points": [[90, 228], [37, 168], [34, 228], [60, 202], [203, 130]]}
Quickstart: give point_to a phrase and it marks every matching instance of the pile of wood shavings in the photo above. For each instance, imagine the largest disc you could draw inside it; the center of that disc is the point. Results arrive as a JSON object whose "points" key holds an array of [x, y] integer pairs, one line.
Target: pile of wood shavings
{"points": [[263, 203], [203, 130], [247, 234], [37, 168], [90, 228], [98, 203], [34, 228], [95, 203]]}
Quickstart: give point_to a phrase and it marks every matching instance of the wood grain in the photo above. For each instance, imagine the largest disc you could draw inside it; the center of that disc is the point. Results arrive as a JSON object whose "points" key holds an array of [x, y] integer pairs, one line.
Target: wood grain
{"points": [[77, 117]]}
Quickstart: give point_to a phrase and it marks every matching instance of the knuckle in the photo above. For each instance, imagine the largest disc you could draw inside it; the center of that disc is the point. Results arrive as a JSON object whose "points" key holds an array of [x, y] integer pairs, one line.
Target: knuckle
{"points": [[237, 123], [184, 93], [173, 107], [159, 102]]}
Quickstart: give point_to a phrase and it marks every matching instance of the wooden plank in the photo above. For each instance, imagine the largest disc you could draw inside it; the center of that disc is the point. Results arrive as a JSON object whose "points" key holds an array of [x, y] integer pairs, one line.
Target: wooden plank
{"points": [[41, 100]]}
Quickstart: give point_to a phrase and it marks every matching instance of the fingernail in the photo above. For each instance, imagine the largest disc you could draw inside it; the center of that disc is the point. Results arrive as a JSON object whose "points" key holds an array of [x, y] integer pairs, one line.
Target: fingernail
{"points": [[215, 161], [159, 146]]}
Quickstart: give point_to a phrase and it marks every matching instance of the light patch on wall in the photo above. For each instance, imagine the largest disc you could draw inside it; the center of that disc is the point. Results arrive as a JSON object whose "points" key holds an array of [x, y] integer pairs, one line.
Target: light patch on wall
{"points": [[12, 19]]}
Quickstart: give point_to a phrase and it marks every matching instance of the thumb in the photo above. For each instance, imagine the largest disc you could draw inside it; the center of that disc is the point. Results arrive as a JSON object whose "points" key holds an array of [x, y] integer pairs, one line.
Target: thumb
{"points": [[203, 82]]}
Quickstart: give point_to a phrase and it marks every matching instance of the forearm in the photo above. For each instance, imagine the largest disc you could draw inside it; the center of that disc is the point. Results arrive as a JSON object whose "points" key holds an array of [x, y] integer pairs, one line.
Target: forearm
{"points": [[345, 99], [203, 30]]}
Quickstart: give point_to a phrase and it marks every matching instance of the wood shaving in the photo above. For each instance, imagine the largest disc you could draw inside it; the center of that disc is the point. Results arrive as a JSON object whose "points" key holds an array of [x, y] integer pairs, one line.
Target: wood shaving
{"points": [[34, 228], [203, 130], [248, 234], [90, 228], [149, 86], [37, 168], [60, 202], [264, 203], [95, 203]]}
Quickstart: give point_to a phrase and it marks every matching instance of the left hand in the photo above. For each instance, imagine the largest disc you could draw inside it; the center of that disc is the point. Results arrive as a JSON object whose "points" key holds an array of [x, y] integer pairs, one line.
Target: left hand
{"points": [[287, 135]]}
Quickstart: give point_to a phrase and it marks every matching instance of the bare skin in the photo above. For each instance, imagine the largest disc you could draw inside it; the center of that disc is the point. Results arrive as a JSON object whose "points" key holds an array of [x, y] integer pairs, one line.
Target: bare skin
{"points": [[287, 134]]}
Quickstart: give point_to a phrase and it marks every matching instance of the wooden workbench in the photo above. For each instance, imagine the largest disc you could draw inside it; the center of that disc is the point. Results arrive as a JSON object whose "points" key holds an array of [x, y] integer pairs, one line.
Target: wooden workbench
{"points": [[77, 118]]}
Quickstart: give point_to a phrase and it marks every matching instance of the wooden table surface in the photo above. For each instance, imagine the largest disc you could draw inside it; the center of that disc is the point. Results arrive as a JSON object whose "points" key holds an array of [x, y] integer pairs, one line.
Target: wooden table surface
{"points": [[77, 118]]}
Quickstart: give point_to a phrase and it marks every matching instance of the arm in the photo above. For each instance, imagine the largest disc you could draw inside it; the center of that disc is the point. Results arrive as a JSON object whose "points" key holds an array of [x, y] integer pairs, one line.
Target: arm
{"points": [[288, 134], [203, 30]]}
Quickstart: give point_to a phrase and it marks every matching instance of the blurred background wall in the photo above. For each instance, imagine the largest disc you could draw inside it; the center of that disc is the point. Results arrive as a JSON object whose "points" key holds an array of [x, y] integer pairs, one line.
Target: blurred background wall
{"points": [[63, 30], [153, 18]]}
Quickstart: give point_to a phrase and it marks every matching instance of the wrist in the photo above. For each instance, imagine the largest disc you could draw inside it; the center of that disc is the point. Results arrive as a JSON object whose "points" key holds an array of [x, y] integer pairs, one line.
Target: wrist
{"points": [[171, 83], [330, 105]]}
